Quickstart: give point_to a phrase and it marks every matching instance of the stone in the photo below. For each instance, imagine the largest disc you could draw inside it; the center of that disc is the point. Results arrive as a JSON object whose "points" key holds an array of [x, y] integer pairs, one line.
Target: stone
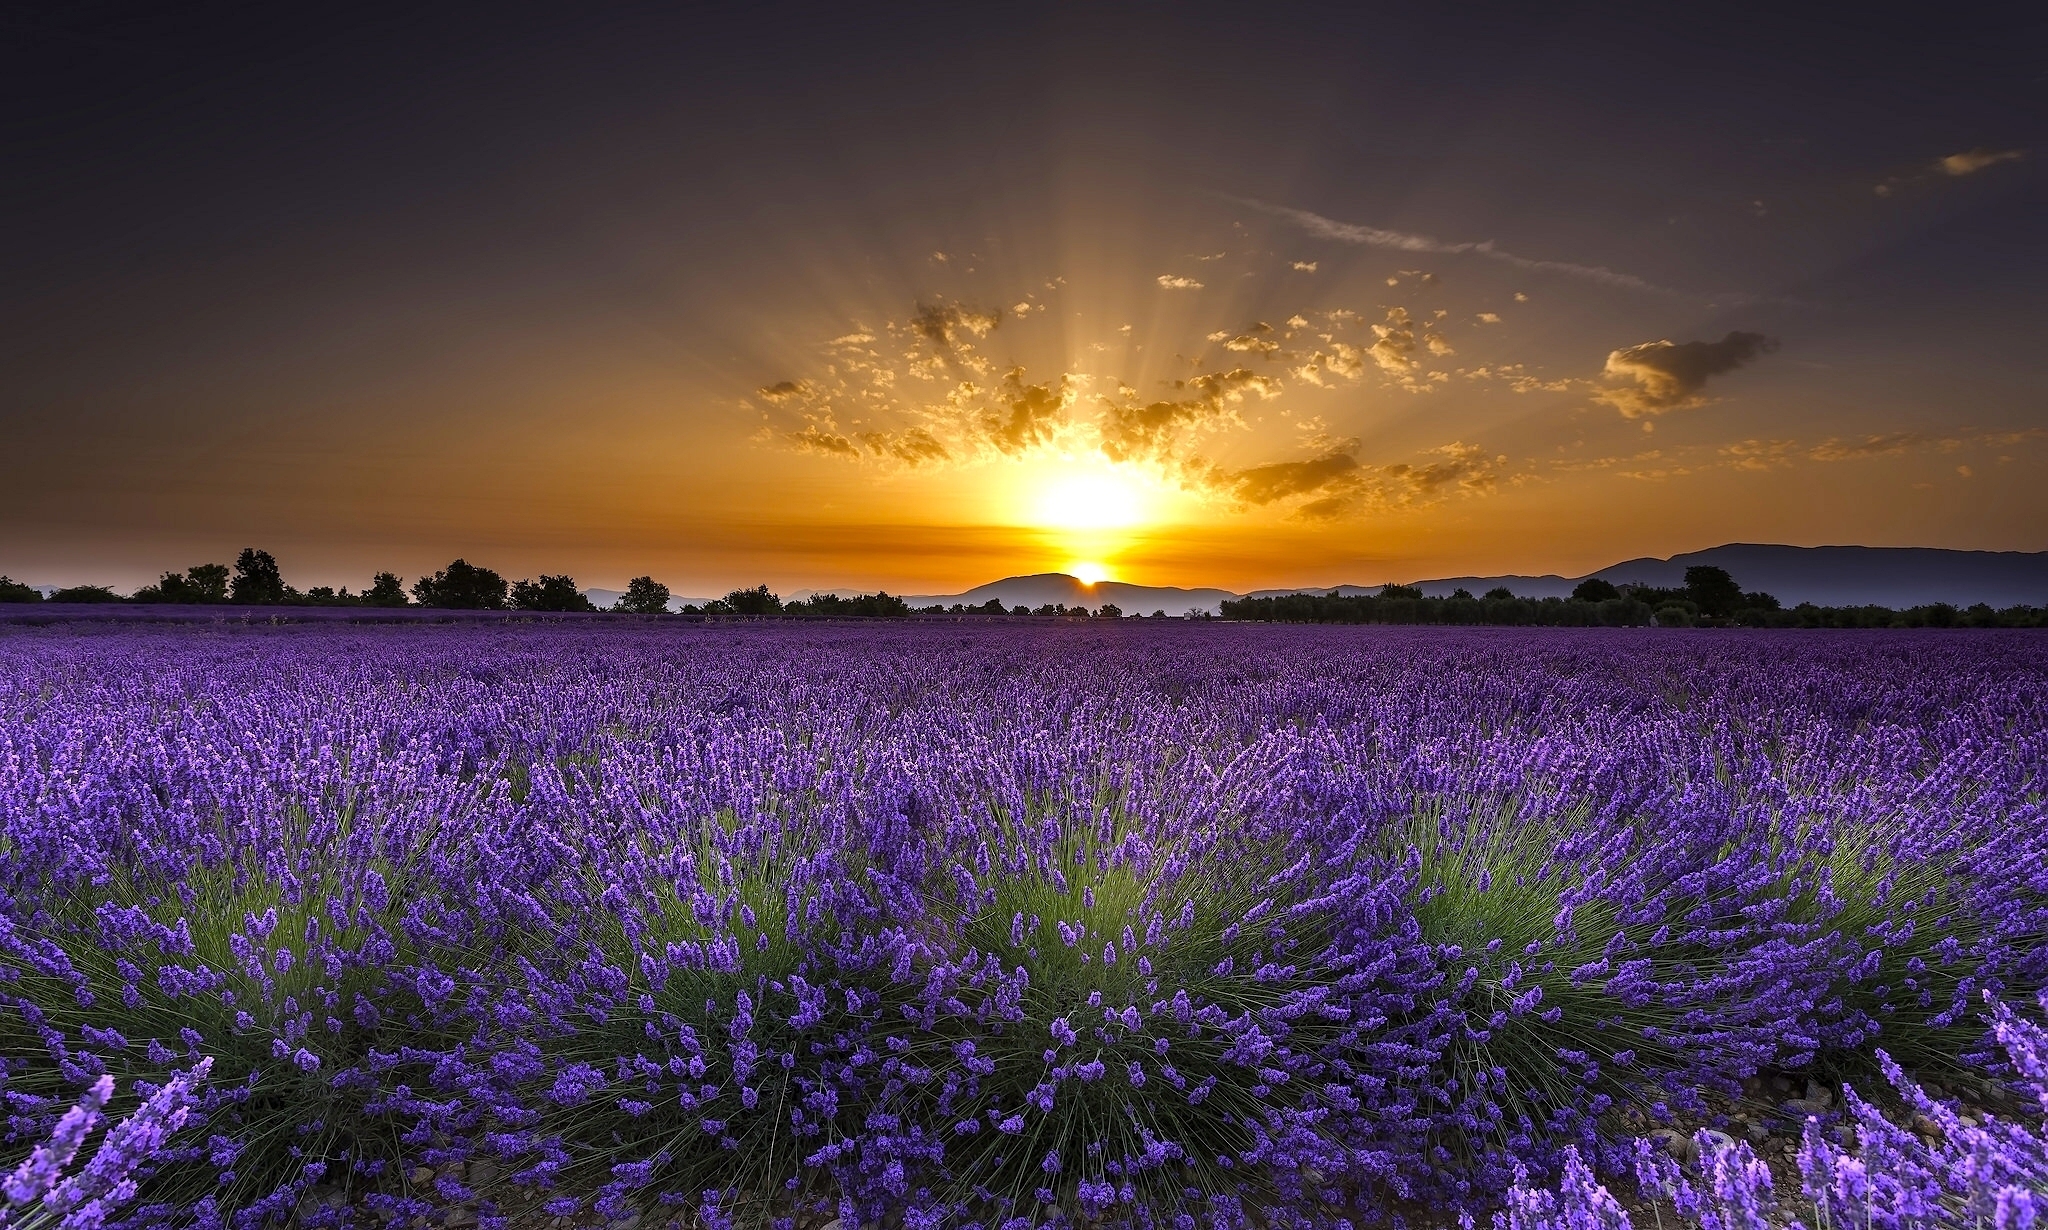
{"points": [[422, 1176], [1928, 1128], [1717, 1139], [1820, 1095], [1676, 1144]]}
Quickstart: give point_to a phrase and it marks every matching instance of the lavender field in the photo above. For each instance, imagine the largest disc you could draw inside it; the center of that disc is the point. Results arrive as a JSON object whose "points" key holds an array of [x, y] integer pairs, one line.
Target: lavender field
{"points": [[949, 925]]}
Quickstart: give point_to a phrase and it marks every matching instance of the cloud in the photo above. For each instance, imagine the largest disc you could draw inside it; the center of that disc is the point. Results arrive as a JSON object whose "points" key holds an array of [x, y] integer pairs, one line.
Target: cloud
{"points": [[945, 325], [1134, 431], [1971, 161], [1342, 361], [1465, 466], [1669, 375], [1037, 413], [1257, 340], [1489, 318], [1305, 266], [1372, 236], [1279, 480], [1335, 484], [1396, 343], [784, 392], [1171, 282]]}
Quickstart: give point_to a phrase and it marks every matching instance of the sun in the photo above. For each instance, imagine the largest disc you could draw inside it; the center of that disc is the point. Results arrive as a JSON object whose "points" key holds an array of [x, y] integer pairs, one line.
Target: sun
{"points": [[1087, 573], [1090, 499]]}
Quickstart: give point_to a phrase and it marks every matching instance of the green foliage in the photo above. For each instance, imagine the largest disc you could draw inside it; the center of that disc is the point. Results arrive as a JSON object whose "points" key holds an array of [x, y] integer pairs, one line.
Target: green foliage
{"points": [[257, 579], [12, 590], [550, 593], [462, 586], [643, 596]]}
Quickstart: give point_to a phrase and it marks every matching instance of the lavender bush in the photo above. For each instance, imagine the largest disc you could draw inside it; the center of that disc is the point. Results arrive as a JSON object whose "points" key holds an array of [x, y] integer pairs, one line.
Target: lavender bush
{"points": [[1958, 1170], [932, 925]]}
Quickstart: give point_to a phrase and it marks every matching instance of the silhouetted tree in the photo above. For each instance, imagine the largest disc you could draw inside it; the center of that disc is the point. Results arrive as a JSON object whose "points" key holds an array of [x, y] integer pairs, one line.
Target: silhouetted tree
{"points": [[1110, 610], [199, 583], [257, 579], [1391, 590], [1713, 590], [755, 601], [1500, 593], [1462, 594], [12, 590], [462, 586], [385, 590], [85, 593], [643, 596], [1593, 589], [550, 594]]}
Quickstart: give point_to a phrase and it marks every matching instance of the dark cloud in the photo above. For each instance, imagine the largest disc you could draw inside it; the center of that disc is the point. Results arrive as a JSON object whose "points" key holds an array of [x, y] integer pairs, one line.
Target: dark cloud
{"points": [[1667, 375]]}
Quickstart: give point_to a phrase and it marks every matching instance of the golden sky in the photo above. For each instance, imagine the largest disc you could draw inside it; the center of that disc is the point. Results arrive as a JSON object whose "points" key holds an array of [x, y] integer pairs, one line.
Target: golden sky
{"points": [[924, 317]]}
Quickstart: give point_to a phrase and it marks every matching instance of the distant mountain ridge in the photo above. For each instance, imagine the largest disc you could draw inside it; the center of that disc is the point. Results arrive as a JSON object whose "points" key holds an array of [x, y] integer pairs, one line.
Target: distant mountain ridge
{"points": [[1057, 587], [1826, 576]]}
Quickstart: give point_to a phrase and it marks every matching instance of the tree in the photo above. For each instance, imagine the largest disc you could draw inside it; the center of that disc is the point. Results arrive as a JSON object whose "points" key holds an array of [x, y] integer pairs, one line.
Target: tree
{"points": [[755, 601], [1593, 589], [385, 590], [12, 590], [1713, 590], [550, 594], [643, 596], [1500, 593], [199, 583], [462, 586], [1391, 590], [1110, 610], [85, 593], [1461, 594], [257, 579]]}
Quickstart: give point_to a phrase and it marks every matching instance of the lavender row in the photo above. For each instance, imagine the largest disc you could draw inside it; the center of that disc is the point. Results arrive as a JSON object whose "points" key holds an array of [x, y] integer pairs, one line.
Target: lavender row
{"points": [[957, 926]]}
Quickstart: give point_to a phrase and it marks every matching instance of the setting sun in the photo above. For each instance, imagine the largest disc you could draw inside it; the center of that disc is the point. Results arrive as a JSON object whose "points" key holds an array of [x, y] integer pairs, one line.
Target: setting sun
{"points": [[1088, 574], [1090, 500]]}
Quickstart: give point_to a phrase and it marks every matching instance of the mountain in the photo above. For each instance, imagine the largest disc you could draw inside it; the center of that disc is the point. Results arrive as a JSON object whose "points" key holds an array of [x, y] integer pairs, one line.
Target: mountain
{"points": [[1856, 576], [1825, 576], [1058, 587]]}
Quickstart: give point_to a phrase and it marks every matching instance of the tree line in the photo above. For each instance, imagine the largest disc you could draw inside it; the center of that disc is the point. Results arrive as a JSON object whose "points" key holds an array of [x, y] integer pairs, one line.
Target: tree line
{"points": [[1709, 597], [255, 580]]}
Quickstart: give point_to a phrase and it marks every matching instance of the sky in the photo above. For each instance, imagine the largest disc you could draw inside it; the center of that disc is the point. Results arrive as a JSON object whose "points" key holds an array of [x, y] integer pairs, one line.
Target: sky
{"points": [[916, 297]]}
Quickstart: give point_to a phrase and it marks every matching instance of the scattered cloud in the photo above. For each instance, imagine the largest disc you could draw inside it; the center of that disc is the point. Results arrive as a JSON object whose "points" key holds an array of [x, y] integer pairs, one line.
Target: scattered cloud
{"points": [[1135, 430], [1666, 375], [1305, 266], [1489, 318], [1971, 161], [1372, 236], [1170, 282], [947, 324]]}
